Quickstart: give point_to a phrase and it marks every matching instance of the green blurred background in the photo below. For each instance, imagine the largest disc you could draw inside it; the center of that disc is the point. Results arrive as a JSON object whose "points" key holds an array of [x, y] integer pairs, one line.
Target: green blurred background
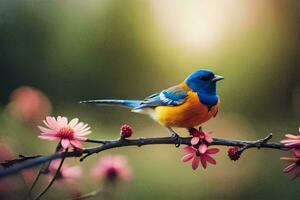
{"points": [[73, 50]]}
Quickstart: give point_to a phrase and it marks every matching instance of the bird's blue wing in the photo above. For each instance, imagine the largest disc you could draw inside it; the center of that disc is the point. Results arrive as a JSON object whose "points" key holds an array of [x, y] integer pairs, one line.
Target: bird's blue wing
{"points": [[172, 96]]}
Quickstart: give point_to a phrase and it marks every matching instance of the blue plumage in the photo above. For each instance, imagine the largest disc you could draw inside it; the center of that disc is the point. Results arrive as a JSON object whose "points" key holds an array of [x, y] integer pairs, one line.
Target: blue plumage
{"points": [[126, 103], [203, 82]]}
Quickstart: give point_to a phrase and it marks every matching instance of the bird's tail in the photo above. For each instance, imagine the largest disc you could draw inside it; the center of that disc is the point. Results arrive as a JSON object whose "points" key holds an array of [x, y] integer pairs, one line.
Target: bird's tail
{"points": [[125, 103]]}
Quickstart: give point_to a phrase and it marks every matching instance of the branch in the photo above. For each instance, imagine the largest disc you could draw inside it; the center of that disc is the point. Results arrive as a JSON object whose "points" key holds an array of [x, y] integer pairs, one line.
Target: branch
{"points": [[109, 144], [22, 158]]}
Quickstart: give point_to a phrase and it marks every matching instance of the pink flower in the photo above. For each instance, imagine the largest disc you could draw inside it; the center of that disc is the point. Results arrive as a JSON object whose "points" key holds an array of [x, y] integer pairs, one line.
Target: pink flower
{"points": [[70, 134], [29, 104], [292, 140], [200, 154], [199, 135], [70, 174], [295, 166], [112, 168]]}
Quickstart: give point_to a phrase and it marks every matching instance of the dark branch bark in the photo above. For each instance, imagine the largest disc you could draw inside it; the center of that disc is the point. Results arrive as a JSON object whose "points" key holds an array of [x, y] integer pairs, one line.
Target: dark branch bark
{"points": [[109, 144]]}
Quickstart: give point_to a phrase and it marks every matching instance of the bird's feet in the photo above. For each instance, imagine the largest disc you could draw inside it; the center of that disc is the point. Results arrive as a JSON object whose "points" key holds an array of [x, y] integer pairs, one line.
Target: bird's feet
{"points": [[177, 139]]}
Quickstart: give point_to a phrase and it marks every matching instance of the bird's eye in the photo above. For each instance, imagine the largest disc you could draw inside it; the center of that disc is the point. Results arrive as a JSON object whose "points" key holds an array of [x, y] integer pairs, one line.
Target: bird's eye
{"points": [[205, 78]]}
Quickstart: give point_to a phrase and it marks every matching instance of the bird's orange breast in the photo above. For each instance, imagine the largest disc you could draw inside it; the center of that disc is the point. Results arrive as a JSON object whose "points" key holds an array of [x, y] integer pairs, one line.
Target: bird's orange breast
{"points": [[189, 114]]}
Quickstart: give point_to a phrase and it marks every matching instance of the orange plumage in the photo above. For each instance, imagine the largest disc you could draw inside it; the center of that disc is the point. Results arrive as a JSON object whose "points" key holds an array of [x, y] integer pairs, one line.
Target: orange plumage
{"points": [[189, 114]]}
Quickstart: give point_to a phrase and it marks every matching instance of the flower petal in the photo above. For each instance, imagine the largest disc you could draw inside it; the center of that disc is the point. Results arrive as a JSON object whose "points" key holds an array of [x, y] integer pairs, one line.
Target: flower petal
{"points": [[76, 144], [289, 168], [189, 149], [187, 157], [208, 133], [63, 121], [203, 161], [213, 150], [84, 133], [210, 159], [195, 163], [78, 126], [80, 138], [52, 123], [296, 152], [65, 143], [208, 139], [73, 122], [202, 148], [289, 159], [194, 140], [290, 141], [290, 136], [48, 137], [82, 128], [46, 130]]}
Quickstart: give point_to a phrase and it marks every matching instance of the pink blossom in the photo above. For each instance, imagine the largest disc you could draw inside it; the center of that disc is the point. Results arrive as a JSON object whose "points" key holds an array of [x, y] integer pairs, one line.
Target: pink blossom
{"points": [[295, 166], [112, 167], [199, 155], [199, 135], [29, 104], [70, 134], [66, 173], [292, 140]]}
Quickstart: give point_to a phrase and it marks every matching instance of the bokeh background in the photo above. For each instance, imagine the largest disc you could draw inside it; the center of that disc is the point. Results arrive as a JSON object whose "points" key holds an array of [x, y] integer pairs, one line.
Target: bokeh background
{"points": [[73, 50]]}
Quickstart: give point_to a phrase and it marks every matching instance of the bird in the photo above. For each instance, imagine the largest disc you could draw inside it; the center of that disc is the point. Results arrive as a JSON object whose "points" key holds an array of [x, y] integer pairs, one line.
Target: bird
{"points": [[186, 105]]}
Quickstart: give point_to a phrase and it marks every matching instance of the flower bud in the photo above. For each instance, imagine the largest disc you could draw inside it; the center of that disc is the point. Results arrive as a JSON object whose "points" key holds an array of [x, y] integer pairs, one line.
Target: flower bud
{"points": [[126, 131], [232, 153]]}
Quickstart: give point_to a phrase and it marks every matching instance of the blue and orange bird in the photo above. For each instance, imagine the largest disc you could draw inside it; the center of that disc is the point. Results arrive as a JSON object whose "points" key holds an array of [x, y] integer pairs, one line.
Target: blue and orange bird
{"points": [[186, 105]]}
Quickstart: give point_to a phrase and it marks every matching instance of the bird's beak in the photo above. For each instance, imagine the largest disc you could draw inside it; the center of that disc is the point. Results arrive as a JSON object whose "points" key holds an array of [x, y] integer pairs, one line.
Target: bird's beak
{"points": [[217, 78]]}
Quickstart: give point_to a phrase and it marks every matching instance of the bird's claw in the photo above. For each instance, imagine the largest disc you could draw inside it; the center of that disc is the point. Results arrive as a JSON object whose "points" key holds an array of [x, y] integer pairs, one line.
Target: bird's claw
{"points": [[176, 138]]}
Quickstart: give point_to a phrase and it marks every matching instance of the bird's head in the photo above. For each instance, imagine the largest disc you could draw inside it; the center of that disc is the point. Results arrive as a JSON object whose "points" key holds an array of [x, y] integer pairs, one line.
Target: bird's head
{"points": [[203, 81]]}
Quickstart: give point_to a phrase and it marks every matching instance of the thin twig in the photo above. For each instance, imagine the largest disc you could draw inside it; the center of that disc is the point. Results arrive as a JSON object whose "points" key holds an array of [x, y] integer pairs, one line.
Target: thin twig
{"points": [[53, 179], [43, 170], [28, 195]]}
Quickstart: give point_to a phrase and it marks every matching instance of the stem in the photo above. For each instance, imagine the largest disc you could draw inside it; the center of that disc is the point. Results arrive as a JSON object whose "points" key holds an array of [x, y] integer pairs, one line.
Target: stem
{"points": [[42, 170], [34, 182], [53, 179]]}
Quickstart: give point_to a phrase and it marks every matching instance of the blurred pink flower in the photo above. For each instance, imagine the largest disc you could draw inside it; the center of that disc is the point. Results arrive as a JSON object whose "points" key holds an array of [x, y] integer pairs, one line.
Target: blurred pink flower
{"points": [[200, 135], [112, 167], [199, 155], [292, 140], [295, 166], [29, 104], [6, 154], [70, 134], [70, 174], [10, 184]]}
